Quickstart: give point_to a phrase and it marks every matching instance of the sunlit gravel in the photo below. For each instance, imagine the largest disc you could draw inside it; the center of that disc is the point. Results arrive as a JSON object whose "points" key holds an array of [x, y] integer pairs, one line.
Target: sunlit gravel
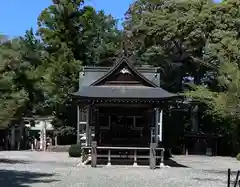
{"points": [[38, 169]]}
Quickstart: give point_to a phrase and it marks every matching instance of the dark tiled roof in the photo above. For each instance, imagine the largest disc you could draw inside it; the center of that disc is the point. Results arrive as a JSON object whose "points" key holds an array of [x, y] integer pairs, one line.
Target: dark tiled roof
{"points": [[123, 92], [91, 79], [92, 74]]}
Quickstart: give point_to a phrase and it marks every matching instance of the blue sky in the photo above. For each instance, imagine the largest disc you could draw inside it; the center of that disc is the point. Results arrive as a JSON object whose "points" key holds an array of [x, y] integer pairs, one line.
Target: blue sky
{"points": [[16, 16]]}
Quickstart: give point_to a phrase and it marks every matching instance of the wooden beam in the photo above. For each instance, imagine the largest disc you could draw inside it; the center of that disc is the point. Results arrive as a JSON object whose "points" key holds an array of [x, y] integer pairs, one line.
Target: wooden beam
{"points": [[123, 82]]}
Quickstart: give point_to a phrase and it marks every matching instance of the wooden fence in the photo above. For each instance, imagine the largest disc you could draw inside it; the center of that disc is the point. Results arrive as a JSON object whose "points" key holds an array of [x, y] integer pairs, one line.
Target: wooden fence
{"points": [[152, 154]]}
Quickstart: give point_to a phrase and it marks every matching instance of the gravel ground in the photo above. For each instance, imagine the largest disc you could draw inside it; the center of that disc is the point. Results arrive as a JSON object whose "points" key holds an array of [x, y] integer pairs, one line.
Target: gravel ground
{"points": [[39, 169]]}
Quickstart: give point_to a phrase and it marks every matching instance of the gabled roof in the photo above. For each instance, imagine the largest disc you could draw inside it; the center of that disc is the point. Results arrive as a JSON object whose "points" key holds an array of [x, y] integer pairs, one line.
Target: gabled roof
{"points": [[123, 61], [91, 74], [146, 91]]}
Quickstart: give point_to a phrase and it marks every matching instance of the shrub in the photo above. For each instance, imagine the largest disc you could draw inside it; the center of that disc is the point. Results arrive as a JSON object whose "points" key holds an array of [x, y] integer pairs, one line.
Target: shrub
{"points": [[75, 150], [238, 156]]}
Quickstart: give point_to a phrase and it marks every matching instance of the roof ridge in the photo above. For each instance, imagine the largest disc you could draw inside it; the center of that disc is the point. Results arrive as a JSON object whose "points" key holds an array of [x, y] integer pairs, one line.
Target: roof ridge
{"points": [[119, 62]]}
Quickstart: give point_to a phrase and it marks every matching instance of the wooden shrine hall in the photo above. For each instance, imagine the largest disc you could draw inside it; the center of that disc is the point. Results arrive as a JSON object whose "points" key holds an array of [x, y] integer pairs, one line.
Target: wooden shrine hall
{"points": [[120, 108]]}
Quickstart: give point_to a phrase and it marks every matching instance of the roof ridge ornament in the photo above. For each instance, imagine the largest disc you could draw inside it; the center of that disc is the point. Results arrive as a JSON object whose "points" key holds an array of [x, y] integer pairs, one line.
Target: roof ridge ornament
{"points": [[125, 71]]}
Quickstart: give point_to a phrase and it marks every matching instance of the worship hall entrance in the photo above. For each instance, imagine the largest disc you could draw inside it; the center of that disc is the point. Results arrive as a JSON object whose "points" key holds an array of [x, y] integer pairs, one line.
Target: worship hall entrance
{"points": [[124, 126]]}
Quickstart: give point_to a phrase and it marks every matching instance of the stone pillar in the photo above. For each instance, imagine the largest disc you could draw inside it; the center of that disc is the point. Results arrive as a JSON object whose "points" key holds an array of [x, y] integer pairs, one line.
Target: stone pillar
{"points": [[56, 140], [44, 135], [7, 140], [21, 136], [41, 140], [12, 137]]}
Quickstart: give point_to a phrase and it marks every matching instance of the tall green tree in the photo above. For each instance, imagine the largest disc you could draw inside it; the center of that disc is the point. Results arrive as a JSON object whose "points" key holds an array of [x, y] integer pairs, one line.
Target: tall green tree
{"points": [[20, 77], [11, 99], [74, 36], [223, 50], [92, 36], [172, 35]]}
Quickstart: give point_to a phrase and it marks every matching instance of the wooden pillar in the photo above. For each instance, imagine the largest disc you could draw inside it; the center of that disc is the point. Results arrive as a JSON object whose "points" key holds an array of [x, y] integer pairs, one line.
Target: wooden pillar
{"points": [[78, 125], [95, 125], [109, 158], [135, 158], [90, 135], [152, 156], [94, 154], [160, 125], [87, 126], [156, 121], [216, 147], [162, 158], [91, 113], [186, 148]]}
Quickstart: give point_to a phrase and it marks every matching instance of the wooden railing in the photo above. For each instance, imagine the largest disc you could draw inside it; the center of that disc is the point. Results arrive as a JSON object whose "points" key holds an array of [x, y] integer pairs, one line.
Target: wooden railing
{"points": [[152, 154], [236, 181]]}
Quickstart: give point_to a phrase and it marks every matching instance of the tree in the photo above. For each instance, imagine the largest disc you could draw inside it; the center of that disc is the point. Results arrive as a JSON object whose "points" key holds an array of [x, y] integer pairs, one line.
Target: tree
{"points": [[91, 36], [20, 77], [74, 36], [223, 50], [171, 35]]}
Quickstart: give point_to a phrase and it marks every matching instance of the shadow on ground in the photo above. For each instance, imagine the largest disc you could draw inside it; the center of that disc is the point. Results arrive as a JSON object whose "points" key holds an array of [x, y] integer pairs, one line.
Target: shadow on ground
{"points": [[10, 161], [140, 162], [213, 179], [173, 163], [221, 172], [206, 179], [223, 179], [12, 178]]}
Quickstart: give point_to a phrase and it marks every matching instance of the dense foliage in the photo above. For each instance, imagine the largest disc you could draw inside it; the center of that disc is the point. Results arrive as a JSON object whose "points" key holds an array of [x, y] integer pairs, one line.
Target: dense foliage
{"points": [[39, 71], [238, 157], [195, 43]]}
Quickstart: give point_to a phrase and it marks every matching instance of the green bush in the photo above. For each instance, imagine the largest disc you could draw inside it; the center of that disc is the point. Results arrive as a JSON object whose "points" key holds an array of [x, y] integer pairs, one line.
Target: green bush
{"points": [[238, 156], [75, 150]]}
